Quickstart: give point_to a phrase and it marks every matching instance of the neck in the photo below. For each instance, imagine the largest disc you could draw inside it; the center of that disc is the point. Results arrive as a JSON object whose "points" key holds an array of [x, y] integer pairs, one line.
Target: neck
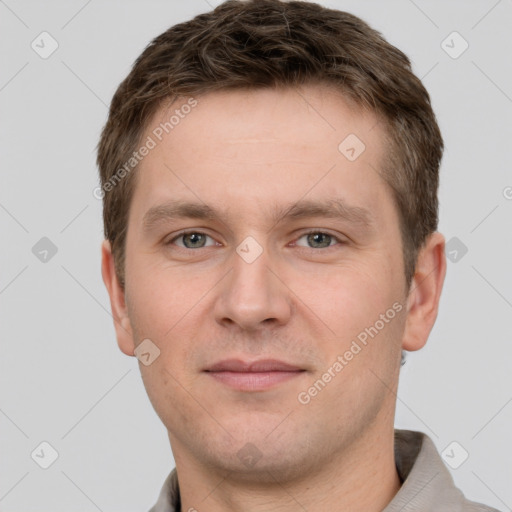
{"points": [[362, 477]]}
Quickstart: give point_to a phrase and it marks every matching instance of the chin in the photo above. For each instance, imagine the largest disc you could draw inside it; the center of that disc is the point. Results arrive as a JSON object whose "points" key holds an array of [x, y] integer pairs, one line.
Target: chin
{"points": [[260, 453]]}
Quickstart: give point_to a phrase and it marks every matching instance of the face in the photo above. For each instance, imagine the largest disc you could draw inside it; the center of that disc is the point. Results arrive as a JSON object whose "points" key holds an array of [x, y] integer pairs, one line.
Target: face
{"points": [[256, 233]]}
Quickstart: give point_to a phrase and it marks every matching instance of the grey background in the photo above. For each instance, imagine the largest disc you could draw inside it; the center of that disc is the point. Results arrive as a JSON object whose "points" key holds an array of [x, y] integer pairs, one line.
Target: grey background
{"points": [[63, 378]]}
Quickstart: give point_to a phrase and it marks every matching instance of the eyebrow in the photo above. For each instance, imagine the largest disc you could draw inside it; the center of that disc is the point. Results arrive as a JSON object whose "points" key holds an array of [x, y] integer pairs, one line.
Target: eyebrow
{"points": [[330, 208]]}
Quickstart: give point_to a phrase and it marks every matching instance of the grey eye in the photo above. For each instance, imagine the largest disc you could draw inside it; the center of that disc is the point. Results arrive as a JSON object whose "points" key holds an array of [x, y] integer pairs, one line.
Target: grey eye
{"points": [[317, 240], [192, 240]]}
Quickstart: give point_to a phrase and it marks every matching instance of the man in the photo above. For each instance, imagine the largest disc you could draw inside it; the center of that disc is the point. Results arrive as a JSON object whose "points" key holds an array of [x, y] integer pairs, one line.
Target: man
{"points": [[270, 175]]}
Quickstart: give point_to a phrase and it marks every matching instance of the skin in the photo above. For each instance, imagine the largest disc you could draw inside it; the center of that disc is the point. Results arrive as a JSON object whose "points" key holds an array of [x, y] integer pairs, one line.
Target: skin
{"points": [[245, 153]]}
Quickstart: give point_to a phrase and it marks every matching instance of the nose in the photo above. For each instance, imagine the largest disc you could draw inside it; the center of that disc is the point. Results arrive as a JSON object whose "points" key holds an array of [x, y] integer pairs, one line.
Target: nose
{"points": [[253, 296]]}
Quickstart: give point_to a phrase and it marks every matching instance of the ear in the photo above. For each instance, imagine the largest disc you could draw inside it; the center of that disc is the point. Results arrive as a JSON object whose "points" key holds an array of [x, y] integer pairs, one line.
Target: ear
{"points": [[122, 322], [424, 293]]}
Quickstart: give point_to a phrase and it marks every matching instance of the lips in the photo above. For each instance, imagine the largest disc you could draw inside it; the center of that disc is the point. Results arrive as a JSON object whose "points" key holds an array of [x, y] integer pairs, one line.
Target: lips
{"points": [[253, 376], [265, 365]]}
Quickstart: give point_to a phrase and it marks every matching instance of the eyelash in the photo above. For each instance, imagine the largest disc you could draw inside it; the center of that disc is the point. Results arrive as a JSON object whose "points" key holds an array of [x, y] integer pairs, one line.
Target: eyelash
{"points": [[310, 232]]}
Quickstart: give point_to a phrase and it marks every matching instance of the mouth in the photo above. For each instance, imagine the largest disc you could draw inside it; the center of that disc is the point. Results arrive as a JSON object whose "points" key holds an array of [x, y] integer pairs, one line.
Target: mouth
{"points": [[253, 376]]}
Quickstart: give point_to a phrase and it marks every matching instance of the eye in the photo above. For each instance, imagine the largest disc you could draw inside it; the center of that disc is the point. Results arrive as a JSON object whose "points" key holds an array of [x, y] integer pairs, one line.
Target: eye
{"points": [[191, 240], [318, 240], [198, 240]]}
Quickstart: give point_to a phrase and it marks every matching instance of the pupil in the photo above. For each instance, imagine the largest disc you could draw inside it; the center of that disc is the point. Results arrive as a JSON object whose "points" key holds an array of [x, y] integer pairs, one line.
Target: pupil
{"points": [[194, 238]]}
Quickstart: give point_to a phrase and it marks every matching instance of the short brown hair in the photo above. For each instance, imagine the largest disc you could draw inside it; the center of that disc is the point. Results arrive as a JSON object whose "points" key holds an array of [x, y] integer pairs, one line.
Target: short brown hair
{"points": [[273, 43]]}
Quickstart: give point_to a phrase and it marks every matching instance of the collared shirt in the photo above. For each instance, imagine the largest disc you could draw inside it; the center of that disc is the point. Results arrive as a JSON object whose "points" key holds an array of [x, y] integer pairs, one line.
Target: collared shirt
{"points": [[427, 485]]}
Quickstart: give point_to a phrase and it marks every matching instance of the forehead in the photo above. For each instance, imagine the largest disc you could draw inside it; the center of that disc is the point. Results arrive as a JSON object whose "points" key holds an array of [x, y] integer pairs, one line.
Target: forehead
{"points": [[240, 148], [314, 116]]}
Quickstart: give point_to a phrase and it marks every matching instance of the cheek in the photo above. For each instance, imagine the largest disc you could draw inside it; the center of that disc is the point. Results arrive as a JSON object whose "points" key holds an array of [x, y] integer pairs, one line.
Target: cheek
{"points": [[350, 302], [166, 389], [346, 297], [165, 297]]}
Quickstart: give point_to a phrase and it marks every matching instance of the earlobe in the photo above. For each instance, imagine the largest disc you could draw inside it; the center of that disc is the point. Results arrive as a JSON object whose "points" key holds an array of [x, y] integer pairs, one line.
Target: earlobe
{"points": [[425, 292], [116, 293]]}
